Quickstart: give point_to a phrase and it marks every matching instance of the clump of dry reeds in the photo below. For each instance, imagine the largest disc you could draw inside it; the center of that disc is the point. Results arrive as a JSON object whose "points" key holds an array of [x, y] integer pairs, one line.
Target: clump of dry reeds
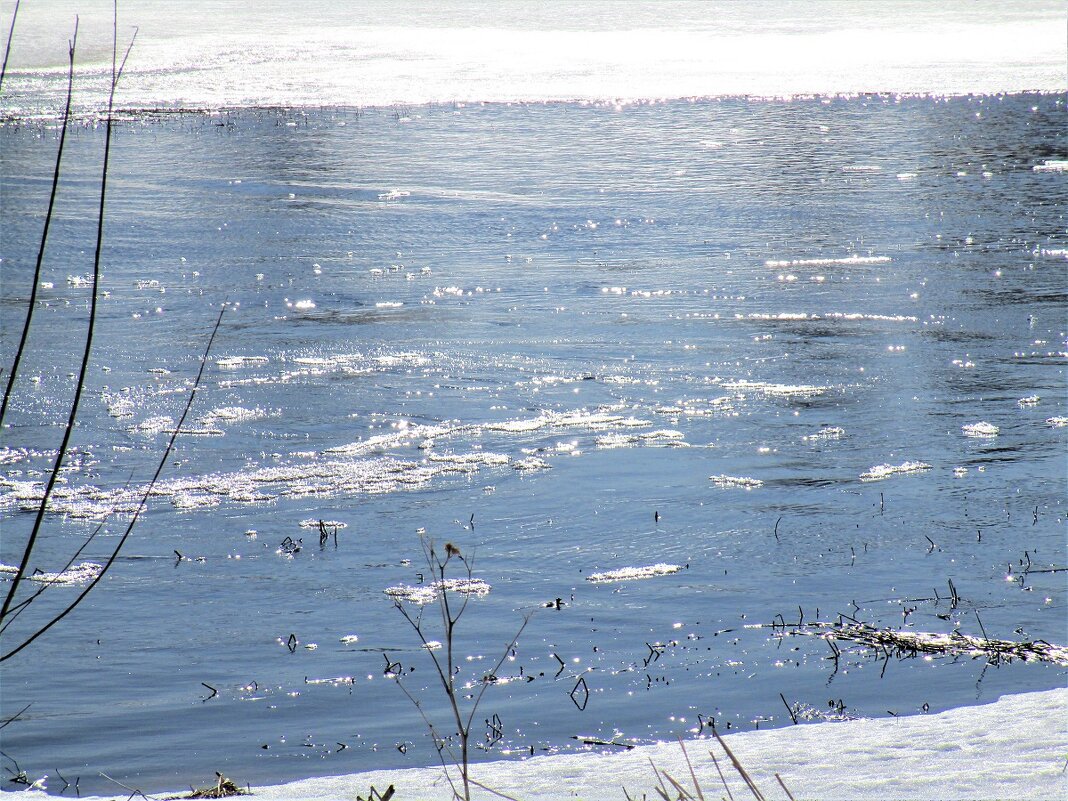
{"points": [[669, 788], [223, 788]]}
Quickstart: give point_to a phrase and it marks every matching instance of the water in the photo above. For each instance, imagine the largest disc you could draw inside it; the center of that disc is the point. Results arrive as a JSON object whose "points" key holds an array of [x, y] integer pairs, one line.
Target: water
{"points": [[741, 338]]}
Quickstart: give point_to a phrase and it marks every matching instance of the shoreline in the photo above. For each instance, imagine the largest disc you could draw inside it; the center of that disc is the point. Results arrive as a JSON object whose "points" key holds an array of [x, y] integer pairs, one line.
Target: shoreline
{"points": [[151, 113], [1015, 747]]}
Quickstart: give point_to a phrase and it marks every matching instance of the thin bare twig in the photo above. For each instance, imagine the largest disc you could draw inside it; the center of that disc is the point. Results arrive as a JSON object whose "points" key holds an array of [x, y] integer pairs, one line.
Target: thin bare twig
{"points": [[47, 220], [24, 604], [785, 789], [31, 540], [16, 716], [741, 770], [10, 36], [693, 775]]}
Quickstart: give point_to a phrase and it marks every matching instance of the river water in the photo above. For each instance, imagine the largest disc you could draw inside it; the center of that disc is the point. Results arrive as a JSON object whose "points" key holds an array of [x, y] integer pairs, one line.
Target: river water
{"points": [[751, 341]]}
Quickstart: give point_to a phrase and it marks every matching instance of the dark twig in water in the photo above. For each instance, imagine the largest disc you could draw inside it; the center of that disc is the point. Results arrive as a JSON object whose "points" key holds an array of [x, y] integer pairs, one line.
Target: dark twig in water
{"points": [[953, 596], [563, 665], [584, 695], [982, 628], [790, 709], [31, 540], [66, 783], [16, 716], [598, 741]]}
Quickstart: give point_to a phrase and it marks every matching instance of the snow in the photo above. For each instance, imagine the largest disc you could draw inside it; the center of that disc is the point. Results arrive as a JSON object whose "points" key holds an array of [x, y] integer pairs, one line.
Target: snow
{"points": [[1014, 748]]}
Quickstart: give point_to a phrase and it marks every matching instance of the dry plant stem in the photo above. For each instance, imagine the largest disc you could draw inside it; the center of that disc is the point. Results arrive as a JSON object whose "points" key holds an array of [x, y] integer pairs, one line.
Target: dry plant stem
{"points": [[491, 790], [693, 775], [10, 36], [722, 778], [741, 770], [141, 505], [133, 790], [447, 674], [661, 789], [47, 220], [116, 74], [682, 791], [785, 789], [439, 742]]}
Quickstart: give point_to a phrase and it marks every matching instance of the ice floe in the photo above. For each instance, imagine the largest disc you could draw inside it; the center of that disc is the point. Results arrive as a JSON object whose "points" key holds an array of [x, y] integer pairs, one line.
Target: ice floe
{"points": [[428, 593], [736, 482], [846, 261], [81, 573], [1052, 165], [776, 390], [883, 471], [830, 432], [981, 429], [633, 573], [620, 440]]}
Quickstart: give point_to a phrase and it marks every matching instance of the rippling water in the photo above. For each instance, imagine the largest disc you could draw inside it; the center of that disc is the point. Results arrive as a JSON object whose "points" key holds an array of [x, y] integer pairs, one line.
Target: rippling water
{"points": [[740, 338], [684, 366]]}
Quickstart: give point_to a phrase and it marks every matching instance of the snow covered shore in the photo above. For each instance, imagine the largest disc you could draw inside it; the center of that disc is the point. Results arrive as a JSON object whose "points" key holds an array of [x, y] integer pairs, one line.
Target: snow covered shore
{"points": [[1014, 748]]}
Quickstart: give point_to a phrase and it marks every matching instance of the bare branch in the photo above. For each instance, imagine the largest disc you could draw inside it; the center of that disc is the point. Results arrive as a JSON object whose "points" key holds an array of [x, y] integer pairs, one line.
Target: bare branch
{"points": [[47, 220], [140, 506], [10, 36]]}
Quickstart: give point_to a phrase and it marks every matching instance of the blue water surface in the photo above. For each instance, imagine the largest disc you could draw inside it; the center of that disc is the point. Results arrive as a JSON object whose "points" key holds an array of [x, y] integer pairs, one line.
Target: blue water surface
{"points": [[556, 336]]}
